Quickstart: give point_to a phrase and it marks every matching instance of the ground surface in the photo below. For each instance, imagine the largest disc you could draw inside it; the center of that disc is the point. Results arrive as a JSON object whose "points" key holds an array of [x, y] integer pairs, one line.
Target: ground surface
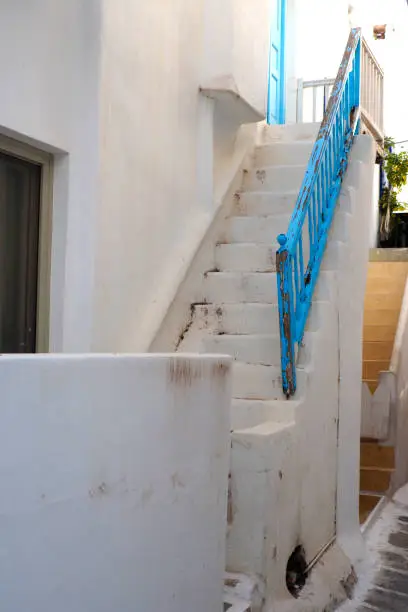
{"points": [[383, 583]]}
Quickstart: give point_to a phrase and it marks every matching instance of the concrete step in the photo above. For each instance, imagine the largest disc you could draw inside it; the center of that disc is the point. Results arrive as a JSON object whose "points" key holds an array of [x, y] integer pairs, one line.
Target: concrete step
{"points": [[387, 285], [250, 413], [375, 480], [373, 351], [367, 504], [274, 178], [246, 318], [261, 382], [238, 318], [278, 153], [374, 454], [256, 349], [382, 301], [371, 369], [387, 269], [264, 203], [236, 287], [295, 132], [245, 257], [260, 230], [379, 333], [255, 287], [384, 316]]}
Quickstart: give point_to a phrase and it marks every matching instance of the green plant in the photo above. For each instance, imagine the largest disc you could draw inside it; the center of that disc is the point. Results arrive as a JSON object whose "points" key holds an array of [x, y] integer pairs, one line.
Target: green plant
{"points": [[396, 169]]}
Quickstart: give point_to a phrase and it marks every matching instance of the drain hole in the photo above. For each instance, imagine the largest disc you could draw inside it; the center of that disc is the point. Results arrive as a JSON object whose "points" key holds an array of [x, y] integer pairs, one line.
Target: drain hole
{"points": [[296, 571]]}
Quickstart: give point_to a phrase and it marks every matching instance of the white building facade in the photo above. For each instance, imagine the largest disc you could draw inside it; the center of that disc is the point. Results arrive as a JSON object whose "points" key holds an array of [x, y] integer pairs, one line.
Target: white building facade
{"points": [[126, 131], [136, 158]]}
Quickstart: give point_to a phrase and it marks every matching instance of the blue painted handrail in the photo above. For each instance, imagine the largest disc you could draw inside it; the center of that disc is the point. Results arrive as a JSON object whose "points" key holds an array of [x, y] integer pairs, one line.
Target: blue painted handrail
{"points": [[302, 247]]}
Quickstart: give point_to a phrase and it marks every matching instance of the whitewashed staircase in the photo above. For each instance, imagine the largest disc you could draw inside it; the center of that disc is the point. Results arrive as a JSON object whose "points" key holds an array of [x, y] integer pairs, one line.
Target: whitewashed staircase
{"points": [[236, 313]]}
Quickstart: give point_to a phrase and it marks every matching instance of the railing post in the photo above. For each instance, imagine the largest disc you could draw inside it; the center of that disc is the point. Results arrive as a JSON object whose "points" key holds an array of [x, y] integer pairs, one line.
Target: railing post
{"points": [[286, 317], [357, 80], [325, 98], [299, 101]]}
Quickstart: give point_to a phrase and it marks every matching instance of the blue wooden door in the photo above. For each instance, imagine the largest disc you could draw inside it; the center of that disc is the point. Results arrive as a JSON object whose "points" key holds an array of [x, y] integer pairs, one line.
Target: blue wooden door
{"points": [[276, 81]]}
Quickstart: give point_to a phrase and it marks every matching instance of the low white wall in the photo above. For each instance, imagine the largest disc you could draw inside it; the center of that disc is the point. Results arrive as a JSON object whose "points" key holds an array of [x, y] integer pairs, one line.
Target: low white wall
{"points": [[398, 381], [351, 291], [114, 482]]}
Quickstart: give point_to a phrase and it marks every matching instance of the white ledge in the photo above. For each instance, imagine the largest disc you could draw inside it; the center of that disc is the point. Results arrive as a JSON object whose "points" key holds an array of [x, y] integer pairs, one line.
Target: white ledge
{"points": [[224, 89]]}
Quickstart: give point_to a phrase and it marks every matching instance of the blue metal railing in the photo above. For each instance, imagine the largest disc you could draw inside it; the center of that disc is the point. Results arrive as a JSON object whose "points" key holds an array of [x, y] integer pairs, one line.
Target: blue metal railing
{"points": [[302, 247]]}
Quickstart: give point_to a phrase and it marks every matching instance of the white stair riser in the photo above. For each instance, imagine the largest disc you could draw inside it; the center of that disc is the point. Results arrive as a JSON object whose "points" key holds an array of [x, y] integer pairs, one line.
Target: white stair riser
{"points": [[262, 230], [233, 287], [259, 349], [259, 203], [282, 153], [260, 382], [274, 178], [245, 258], [296, 132], [250, 413], [238, 318]]}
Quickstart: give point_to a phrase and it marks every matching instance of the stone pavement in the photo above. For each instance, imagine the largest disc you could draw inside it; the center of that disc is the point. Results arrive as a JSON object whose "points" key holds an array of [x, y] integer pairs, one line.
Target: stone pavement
{"points": [[383, 584]]}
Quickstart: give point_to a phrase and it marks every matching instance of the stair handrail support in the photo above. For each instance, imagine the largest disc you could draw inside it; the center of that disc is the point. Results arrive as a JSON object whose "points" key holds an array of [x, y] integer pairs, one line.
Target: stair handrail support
{"points": [[315, 207]]}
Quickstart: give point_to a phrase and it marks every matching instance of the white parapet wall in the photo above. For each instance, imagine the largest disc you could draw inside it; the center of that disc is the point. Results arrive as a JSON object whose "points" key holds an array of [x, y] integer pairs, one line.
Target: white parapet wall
{"points": [[114, 475]]}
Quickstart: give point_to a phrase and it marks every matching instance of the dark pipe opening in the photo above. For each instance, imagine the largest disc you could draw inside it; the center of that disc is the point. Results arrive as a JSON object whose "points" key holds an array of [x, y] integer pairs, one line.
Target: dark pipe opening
{"points": [[296, 571]]}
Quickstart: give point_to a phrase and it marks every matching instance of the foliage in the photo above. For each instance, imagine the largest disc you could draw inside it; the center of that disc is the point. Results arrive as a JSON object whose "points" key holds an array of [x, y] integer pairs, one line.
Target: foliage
{"points": [[396, 169]]}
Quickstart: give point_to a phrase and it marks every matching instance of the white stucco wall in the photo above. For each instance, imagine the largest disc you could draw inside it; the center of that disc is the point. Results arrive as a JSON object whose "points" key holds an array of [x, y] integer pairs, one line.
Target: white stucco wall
{"points": [[251, 49], [162, 147], [110, 500], [114, 94], [49, 75]]}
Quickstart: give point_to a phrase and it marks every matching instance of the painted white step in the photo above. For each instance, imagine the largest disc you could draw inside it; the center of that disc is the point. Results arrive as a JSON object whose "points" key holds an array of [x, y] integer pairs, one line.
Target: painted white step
{"points": [[238, 318], [262, 382], [255, 287], [263, 230], [250, 413], [236, 287], [290, 133], [280, 153], [245, 257], [274, 178], [263, 203], [257, 349]]}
